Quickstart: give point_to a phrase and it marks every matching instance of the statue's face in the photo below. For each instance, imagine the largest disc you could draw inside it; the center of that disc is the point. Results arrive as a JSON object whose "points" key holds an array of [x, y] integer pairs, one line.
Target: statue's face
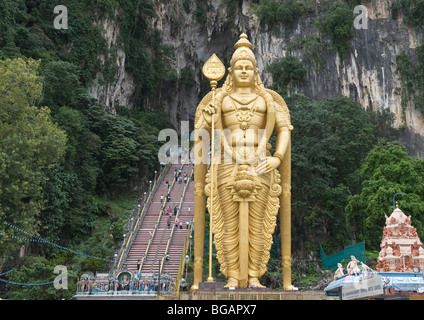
{"points": [[243, 73]]}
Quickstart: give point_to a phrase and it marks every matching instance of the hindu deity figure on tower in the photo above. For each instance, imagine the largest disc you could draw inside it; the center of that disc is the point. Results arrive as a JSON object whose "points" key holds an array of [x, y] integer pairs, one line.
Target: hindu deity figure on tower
{"points": [[245, 186]]}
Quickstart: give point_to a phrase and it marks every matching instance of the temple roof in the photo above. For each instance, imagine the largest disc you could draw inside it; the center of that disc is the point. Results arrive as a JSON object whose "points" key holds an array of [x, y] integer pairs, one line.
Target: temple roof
{"points": [[398, 215]]}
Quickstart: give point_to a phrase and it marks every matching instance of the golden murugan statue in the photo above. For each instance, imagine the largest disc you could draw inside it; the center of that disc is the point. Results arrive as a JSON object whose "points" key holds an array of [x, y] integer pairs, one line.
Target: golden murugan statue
{"points": [[249, 185]]}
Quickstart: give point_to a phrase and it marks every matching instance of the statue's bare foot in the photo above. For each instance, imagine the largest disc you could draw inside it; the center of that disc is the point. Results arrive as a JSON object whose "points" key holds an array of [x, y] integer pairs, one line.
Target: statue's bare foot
{"points": [[255, 283], [290, 287], [232, 282]]}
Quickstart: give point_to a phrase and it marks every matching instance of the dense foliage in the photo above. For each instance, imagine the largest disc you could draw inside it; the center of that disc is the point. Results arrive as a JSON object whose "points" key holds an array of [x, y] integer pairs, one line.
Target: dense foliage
{"points": [[280, 13], [64, 160], [387, 170], [287, 73], [412, 75], [36, 268], [338, 23], [30, 143], [330, 140], [412, 11]]}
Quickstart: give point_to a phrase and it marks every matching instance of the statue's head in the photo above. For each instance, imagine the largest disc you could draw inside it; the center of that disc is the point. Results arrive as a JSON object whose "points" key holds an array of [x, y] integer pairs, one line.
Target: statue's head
{"points": [[243, 73], [243, 51], [243, 70]]}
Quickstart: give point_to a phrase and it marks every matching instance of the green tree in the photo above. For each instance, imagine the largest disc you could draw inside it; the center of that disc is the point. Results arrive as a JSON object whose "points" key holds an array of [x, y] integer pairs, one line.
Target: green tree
{"points": [[147, 58], [29, 144], [62, 84], [38, 275], [83, 146], [388, 169], [277, 13], [412, 11], [288, 72], [70, 208], [412, 75], [119, 154], [355, 132], [330, 141], [339, 25], [314, 151]]}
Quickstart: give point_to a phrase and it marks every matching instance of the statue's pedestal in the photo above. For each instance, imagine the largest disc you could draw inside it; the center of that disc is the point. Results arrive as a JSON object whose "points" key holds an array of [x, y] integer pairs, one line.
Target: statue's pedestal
{"points": [[219, 287], [216, 291], [211, 286]]}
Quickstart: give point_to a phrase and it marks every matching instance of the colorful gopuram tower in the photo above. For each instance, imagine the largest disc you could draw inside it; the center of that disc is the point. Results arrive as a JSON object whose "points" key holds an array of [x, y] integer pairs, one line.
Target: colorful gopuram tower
{"points": [[401, 248]]}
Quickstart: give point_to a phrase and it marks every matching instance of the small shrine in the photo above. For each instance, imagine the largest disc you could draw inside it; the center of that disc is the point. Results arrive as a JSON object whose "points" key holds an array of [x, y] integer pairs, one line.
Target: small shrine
{"points": [[401, 248], [399, 271]]}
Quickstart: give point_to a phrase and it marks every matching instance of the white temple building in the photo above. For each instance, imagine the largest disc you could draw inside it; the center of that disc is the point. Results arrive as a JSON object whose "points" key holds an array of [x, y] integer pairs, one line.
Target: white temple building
{"points": [[401, 248]]}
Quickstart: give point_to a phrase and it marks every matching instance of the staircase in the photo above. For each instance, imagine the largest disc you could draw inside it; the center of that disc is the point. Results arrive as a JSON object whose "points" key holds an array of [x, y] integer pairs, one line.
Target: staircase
{"points": [[153, 236], [176, 247]]}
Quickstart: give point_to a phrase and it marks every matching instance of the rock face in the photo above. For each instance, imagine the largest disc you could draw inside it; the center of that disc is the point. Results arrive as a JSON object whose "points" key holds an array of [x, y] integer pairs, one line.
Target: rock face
{"points": [[121, 90], [368, 74]]}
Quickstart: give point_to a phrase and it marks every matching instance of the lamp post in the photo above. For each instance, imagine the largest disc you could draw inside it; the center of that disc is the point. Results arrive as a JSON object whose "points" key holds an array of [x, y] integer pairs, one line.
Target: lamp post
{"points": [[115, 258], [394, 206], [187, 260]]}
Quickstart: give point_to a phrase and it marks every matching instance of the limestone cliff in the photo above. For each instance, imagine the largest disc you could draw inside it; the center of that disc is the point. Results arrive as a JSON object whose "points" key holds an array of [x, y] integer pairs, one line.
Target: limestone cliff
{"points": [[196, 29]]}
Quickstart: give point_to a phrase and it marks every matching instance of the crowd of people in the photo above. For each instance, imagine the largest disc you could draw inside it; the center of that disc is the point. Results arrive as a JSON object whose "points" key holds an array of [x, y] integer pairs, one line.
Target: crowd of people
{"points": [[179, 177]]}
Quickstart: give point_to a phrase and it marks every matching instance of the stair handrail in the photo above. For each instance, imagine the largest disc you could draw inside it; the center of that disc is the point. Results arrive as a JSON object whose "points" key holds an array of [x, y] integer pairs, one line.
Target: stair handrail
{"points": [[173, 227], [163, 232], [140, 217], [157, 251], [155, 228], [157, 225], [154, 231], [183, 260]]}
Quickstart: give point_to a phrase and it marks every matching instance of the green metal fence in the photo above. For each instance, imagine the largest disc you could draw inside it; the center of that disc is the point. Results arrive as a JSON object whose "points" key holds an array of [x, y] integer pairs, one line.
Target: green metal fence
{"points": [[356, 249]]}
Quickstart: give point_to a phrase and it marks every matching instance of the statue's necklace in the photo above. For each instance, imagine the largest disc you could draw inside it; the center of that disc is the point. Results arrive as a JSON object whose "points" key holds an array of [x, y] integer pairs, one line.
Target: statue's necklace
{"points": [[244, 100], [244, 114]]}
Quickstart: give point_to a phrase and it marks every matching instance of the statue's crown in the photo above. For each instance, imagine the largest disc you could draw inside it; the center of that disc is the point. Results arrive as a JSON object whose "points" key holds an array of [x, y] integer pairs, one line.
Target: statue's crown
{"points": [[243, 51], [243, 42]]}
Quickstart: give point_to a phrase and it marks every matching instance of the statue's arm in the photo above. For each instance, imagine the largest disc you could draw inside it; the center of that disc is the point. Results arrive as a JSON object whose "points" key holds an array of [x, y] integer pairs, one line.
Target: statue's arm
{"points": [[212, 109], [282, 129], [204, 113], [283, 138]]}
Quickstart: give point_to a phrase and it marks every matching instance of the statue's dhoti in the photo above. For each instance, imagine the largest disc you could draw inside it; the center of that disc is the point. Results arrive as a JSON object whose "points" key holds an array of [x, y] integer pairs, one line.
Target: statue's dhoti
{"points": [[244, 219]]}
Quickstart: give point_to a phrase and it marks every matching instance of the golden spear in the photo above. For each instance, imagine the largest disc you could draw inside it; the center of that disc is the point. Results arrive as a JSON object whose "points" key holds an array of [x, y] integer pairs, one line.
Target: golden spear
{"points": [[213, 70]]}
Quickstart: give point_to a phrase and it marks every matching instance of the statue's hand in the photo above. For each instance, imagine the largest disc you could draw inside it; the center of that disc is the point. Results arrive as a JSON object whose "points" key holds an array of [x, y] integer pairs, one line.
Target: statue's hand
{"points": [[267, 165], [208, 112]]}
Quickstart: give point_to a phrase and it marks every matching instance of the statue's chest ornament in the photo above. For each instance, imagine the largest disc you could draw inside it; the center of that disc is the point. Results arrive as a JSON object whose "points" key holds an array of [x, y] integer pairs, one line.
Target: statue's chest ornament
{"points": [[245, 109]]}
